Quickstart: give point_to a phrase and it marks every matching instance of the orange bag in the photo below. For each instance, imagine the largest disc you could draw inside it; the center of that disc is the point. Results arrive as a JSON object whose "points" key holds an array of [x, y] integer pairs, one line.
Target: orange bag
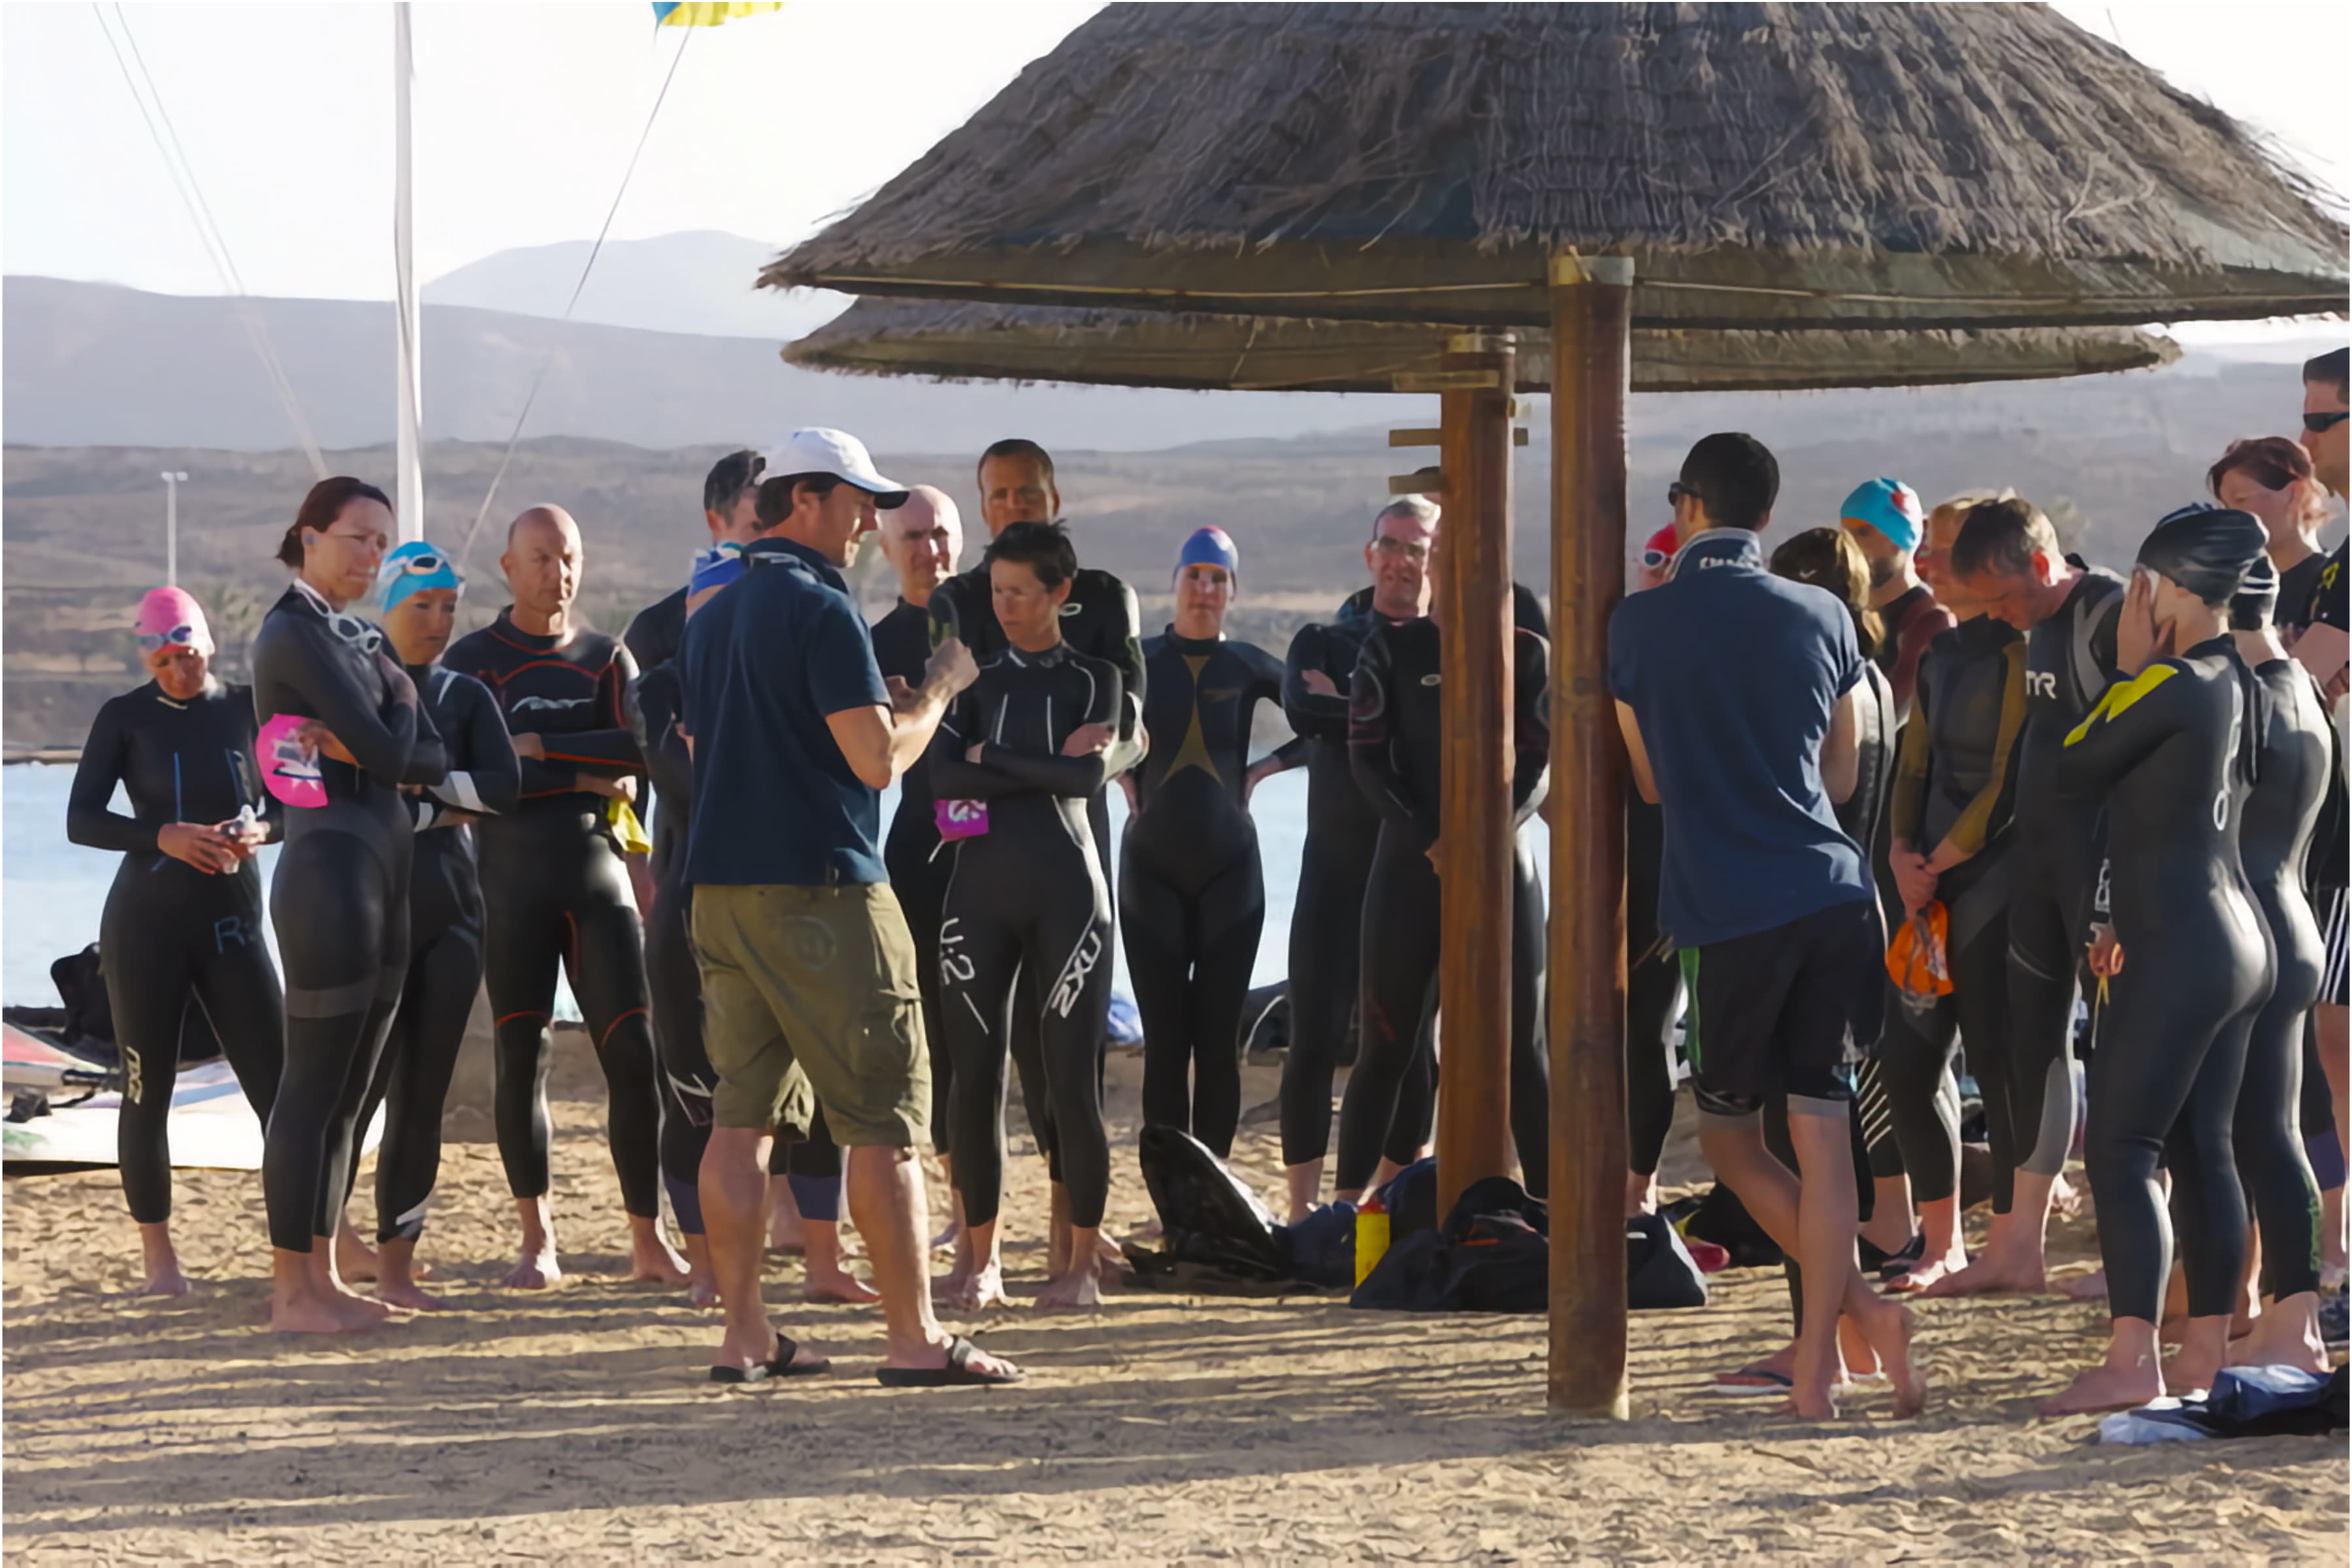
{"points": [[1917, 957]]}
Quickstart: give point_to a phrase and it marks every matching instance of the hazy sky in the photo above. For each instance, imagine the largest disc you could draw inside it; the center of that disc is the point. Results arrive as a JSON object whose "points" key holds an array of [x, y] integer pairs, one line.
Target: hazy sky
{"points": [[526, 115]]}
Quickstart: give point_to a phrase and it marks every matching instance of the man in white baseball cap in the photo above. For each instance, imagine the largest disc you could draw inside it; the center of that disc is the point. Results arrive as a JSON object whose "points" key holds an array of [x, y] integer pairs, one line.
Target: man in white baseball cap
{"points": [[836, 453]]}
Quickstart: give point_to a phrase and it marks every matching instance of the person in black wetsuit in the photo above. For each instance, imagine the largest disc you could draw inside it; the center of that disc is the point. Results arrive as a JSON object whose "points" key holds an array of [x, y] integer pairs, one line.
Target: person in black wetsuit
{"points": [[2296, 765], [419, 600], [2008, 558], [558, 892], [2173, 751], [1834, 560], [338, 898], [1654, 979], [183, 921], [1101, 620], [922, 541], [1017, 756], [1394, 744], [730, 511], [1342, 831], [1955, 793], [1191, 885]]}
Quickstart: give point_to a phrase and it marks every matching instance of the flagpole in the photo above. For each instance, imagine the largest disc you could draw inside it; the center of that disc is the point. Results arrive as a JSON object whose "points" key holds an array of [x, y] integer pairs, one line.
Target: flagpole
{"points": [[409, 477]]}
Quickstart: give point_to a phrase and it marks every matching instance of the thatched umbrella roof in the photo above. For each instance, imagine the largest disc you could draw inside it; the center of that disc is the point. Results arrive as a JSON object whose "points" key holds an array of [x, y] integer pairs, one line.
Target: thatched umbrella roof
{"points": [[955, 340], [1910, 165]]}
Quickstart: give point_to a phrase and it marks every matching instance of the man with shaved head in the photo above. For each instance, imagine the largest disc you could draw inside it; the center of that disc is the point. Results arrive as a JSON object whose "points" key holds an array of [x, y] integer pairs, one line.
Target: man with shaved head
{"points": [[921, 540], [557, 890]]}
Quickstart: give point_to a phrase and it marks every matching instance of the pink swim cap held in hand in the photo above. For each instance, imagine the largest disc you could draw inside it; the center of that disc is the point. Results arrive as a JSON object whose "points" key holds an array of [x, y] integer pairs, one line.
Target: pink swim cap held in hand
{"points": [[170, 618], [290, 768]]}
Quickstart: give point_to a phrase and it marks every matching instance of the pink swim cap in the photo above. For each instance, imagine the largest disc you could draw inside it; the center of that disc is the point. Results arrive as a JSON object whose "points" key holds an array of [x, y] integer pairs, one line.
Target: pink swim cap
{"points": [[170, 618]]}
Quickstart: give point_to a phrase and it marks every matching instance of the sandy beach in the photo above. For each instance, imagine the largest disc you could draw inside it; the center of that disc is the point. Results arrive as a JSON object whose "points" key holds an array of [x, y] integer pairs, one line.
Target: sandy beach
{"points": [[576, 1427]]}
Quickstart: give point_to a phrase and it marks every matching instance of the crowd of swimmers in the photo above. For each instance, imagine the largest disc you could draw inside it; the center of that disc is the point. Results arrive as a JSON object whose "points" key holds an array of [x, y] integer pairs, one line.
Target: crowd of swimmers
{"points": [[2099, 817]]}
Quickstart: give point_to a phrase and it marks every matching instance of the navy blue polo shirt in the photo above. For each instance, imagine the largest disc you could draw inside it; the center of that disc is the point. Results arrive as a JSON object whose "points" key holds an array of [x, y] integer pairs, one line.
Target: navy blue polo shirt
{"points": [[1734, 674], [760, 668]]}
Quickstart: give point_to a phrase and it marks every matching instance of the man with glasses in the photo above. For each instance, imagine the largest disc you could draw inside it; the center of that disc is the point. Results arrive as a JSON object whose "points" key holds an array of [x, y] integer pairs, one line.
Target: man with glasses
{"points": [[1342, 829]]}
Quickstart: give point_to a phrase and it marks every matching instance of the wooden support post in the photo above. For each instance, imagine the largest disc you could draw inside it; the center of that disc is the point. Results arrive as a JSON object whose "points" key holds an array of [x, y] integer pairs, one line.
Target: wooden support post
{"points": [[1473, 606], [1592, 304]]}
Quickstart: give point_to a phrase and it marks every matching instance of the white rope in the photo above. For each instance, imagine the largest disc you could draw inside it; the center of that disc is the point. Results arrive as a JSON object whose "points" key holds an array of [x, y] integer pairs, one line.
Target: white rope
{"points": [[515, 437], [208, 231]]}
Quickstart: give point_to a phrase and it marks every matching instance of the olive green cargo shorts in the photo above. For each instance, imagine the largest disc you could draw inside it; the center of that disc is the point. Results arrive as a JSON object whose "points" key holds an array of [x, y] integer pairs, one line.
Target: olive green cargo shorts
{"points": [[812, 990]]}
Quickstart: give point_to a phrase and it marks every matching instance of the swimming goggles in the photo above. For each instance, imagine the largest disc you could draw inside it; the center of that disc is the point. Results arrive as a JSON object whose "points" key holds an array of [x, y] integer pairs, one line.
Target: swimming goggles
{"points": [[178, 637], [1653, 558], [358, 633], [419, 566]]}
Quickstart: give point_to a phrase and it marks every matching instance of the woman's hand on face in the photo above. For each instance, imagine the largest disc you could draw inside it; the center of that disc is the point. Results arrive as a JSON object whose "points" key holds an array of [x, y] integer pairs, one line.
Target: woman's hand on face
{"points": [[2136, 625]]}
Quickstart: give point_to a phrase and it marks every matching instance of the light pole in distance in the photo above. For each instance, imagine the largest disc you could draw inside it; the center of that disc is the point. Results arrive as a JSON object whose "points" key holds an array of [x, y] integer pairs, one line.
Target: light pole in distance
{"points": [[171, 483]]}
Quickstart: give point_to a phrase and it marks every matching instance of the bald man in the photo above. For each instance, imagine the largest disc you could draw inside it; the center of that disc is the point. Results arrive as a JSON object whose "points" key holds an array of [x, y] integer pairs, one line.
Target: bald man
{"points": [[558, 893]]}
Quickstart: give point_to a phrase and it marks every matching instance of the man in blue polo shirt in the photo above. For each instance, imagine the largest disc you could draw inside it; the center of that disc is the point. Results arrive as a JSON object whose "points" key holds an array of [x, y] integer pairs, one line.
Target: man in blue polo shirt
{"points": [[808, 972], [1736, 692]]}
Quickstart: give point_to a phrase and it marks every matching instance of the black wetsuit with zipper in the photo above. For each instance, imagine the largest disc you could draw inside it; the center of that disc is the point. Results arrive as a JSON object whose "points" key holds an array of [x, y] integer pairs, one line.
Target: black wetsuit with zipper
{"points": [[172, 937], [1956, 784], [1395, 744], [445, 941], [1192, 891], [2295, 766], [559, 893], [339, 898], [1101, 620], [1028, 897], [2173, 752]]}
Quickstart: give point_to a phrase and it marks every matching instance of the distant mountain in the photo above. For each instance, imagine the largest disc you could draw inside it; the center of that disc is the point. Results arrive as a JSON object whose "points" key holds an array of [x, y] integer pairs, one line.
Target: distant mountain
{"points": [[700, 282], [97, 364]]}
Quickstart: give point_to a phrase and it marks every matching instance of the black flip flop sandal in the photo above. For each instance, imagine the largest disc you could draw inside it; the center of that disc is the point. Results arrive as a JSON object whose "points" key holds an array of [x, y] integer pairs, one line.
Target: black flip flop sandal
{"points": [[788, 1361], [959, 1373]]}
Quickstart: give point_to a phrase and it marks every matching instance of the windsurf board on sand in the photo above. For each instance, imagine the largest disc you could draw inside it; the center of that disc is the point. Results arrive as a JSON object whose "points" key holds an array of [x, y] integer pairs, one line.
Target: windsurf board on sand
{"points": [[211, 1126]]}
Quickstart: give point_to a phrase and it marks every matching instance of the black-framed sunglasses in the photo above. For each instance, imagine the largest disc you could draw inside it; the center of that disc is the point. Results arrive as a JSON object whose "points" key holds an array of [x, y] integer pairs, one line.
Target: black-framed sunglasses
{"points": [[1677, 491], [2319, 424]]}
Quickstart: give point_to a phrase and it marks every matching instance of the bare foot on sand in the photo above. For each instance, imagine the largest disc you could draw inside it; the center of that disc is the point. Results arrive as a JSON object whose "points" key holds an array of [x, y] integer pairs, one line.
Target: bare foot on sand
{"points": [[354, 1258], [2105, 1387], [1890, 1334], [974, 1289], [1992, 1276], [1928, 1272], [409, 1294], [837, 1286], [2286, 1335], [1078, 1291], [2091, 1287], [535, 1270], [651, 1257], [170, 1282]]}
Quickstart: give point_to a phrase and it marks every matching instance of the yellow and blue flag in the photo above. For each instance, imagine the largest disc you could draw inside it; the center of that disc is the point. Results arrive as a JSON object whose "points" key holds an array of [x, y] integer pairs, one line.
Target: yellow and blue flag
{"points": [[709, 13]]}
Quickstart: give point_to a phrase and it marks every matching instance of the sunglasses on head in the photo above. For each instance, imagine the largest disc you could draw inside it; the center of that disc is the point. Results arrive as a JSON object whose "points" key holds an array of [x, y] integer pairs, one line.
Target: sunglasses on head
{"points": [[178, 637], [2318, 423]]}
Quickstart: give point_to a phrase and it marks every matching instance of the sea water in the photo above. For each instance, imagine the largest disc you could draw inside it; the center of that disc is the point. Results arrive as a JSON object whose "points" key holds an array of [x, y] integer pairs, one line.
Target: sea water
{"points": [[55, 892]]}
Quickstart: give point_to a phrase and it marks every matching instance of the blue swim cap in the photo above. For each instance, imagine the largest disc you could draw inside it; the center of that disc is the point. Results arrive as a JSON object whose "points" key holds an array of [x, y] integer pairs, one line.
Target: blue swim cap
{"points": [[715, 568], [1889, 506], [1210, 546], [413, 568]]}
